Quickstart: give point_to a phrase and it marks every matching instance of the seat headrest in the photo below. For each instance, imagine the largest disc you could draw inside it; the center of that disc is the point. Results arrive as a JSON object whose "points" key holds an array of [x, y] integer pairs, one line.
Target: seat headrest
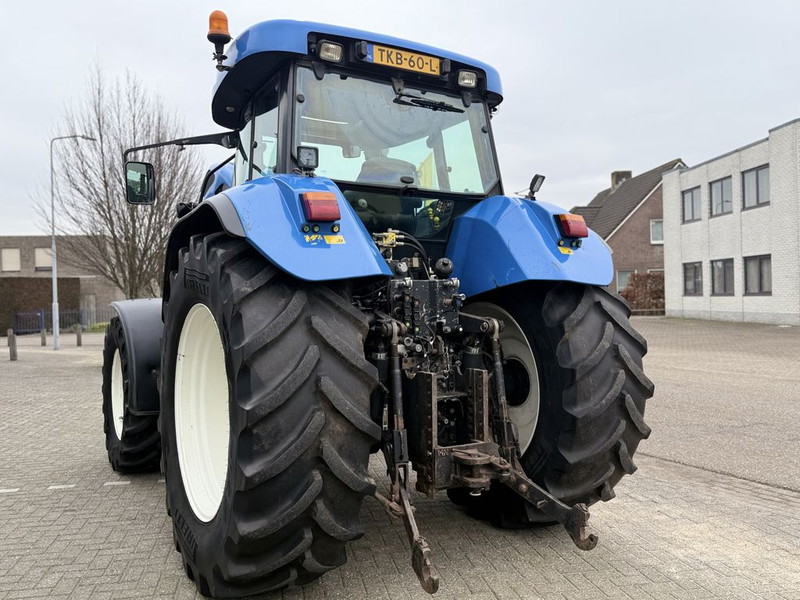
{"points": [[386, 170]]}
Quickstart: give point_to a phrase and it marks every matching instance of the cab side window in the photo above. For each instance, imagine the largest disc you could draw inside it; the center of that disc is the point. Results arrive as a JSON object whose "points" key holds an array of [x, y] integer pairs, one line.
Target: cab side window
{"points": [[265, 133], [257, 155], [241, 172]]}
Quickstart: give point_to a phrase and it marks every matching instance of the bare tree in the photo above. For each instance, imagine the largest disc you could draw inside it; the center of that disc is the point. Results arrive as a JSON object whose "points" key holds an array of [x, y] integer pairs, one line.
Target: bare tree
{"points": [[121, 242]]}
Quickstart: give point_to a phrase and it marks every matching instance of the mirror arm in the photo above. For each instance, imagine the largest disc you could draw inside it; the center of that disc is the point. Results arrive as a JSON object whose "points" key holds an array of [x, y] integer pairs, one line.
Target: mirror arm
{"points": [[226, 139]]}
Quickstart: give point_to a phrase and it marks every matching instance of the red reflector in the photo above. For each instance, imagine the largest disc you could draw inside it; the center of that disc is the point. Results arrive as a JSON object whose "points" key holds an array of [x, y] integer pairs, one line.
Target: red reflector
{"points": [[573, 226], [321, 206]]}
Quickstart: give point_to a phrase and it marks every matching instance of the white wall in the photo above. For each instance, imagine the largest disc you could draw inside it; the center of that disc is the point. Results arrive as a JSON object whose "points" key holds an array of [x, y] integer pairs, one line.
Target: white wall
{"points": [[773, 229]]}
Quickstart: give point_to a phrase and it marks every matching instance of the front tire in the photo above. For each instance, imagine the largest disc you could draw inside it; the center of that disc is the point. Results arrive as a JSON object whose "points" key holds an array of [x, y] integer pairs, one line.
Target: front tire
{"points": [[585, 395], [132, 441], [290, 417]]}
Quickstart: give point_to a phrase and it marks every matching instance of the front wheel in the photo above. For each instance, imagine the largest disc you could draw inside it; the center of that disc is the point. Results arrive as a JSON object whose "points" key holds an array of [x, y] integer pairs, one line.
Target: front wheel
{"points": [[576, 392], [265, 398], [132, 440]]}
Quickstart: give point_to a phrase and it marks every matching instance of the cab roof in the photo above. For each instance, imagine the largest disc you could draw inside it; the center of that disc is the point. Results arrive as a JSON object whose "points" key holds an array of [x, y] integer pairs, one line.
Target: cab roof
{"points": [[255, 53]]}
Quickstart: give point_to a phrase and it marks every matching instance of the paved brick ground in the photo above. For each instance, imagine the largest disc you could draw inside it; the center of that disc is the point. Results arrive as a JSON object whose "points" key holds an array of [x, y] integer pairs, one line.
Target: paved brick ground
{"points": [[673, 532], [726, 397]]}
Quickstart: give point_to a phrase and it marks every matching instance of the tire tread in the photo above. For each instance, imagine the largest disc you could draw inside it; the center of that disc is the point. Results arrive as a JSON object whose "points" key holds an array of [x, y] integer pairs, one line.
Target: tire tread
{"points": [[301, 447], [592, 355], [139, 450], [587, 449]]}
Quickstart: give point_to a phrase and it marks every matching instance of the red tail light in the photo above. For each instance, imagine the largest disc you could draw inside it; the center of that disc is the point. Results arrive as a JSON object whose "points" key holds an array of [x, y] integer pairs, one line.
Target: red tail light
{"points": [[572, 226], [321, 206]]}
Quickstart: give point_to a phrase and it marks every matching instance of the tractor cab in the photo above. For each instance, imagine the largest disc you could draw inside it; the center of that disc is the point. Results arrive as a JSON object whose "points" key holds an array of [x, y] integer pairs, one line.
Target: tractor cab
{"points": [[402, 129]]}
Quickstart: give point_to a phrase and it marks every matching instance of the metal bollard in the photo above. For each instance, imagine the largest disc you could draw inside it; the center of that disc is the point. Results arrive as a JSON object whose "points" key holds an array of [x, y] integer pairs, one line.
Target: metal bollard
{"points": [[78, 331], [12, 344], [44, 337]]}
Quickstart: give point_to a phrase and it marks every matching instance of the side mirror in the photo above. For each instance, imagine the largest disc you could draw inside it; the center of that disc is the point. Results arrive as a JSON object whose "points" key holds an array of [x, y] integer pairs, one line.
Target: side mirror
{"points": [[140, 183]]}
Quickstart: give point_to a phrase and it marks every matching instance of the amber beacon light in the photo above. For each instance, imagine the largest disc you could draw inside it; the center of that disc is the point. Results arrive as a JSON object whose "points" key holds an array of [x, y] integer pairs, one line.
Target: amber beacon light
{"points": [[218, 35], [218, 28]]}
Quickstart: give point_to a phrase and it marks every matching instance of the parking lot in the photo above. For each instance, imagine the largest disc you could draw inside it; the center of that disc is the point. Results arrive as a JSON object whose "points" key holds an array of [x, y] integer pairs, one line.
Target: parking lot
{"points": [[712, 512]]}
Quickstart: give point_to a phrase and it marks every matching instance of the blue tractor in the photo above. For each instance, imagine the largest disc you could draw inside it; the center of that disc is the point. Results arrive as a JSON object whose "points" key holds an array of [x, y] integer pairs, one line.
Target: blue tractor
{"points": [[354, 280]]}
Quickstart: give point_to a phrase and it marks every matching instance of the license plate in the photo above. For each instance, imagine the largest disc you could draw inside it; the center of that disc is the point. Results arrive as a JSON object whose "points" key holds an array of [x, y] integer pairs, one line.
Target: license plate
{"points": [[403, 59]]}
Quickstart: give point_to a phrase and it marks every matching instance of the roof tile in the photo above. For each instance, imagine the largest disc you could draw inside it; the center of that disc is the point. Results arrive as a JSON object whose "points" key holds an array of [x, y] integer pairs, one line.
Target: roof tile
{"points": [[610, 207]]}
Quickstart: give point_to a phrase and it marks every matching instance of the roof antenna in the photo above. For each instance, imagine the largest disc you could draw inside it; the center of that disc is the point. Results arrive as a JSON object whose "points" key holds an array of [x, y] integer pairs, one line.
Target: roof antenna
{"points": [[219, 36]]}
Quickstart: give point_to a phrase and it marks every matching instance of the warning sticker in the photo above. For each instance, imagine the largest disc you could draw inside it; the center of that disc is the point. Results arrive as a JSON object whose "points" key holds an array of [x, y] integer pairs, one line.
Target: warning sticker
{"points": [[314, 238], [317, 239]]}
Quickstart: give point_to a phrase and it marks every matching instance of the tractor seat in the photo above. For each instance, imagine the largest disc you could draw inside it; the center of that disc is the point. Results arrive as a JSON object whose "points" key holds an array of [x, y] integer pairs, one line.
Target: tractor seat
{"points": [[385, 170], [385, 210]]}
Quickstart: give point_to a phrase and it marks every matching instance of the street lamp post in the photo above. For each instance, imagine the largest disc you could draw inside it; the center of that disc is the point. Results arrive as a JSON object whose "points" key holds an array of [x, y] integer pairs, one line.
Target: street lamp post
{"points": [[53, 232]]}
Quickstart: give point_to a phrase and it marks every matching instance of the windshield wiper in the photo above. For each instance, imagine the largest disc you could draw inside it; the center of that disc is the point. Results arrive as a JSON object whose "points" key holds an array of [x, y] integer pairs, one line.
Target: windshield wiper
{"points": [[412, 100]]}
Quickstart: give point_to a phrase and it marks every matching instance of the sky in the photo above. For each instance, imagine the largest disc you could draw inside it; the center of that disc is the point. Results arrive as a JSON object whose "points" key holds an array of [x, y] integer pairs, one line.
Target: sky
{"points": [[590, 87]]}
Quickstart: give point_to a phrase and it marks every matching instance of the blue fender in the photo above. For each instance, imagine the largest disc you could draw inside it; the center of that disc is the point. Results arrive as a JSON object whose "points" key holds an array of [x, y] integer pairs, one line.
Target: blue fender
{"points": [[504, 240], [271, 216], [142, 327], [221, 180]]}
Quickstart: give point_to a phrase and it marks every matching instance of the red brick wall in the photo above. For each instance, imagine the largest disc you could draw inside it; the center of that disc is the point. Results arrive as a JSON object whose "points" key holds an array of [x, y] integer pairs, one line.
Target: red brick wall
{"points": [[631, 243], [29, 294]]}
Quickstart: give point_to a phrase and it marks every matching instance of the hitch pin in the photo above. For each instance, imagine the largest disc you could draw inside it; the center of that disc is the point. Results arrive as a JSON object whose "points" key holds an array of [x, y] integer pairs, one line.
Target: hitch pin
{"points": [[393, 508]]}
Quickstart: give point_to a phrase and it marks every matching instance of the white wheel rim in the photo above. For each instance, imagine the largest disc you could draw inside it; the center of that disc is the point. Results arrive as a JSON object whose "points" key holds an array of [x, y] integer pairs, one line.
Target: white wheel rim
{"points": [[525, 415], [202, 426], [117, 395]]}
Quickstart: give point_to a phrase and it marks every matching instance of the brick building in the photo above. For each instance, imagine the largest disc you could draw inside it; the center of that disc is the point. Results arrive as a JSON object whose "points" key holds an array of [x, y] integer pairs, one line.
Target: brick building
{"points": [[732, 233], [26, 283], [628, 216]]}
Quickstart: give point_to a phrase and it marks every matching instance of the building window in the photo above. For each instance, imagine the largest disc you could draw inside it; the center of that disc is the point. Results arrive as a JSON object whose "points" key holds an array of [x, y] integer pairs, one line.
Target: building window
{"points": [[721, 196], [722, 277], [623, 278], [758, 275], [693, 279], [656, 231], [755, 186], [10, 259], [43, 259], [691, 205]]}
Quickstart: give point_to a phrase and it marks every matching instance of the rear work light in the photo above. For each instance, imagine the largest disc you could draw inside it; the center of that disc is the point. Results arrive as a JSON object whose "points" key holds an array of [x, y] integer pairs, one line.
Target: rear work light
{"points": [[321, 206], [467, 79], [572, 226], [331, 52]]}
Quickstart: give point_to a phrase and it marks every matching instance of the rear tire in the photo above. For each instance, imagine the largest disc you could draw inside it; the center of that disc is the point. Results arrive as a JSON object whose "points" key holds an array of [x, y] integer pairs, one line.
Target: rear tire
{"points": [[591, 396], [299, 434], [132, 441]]}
